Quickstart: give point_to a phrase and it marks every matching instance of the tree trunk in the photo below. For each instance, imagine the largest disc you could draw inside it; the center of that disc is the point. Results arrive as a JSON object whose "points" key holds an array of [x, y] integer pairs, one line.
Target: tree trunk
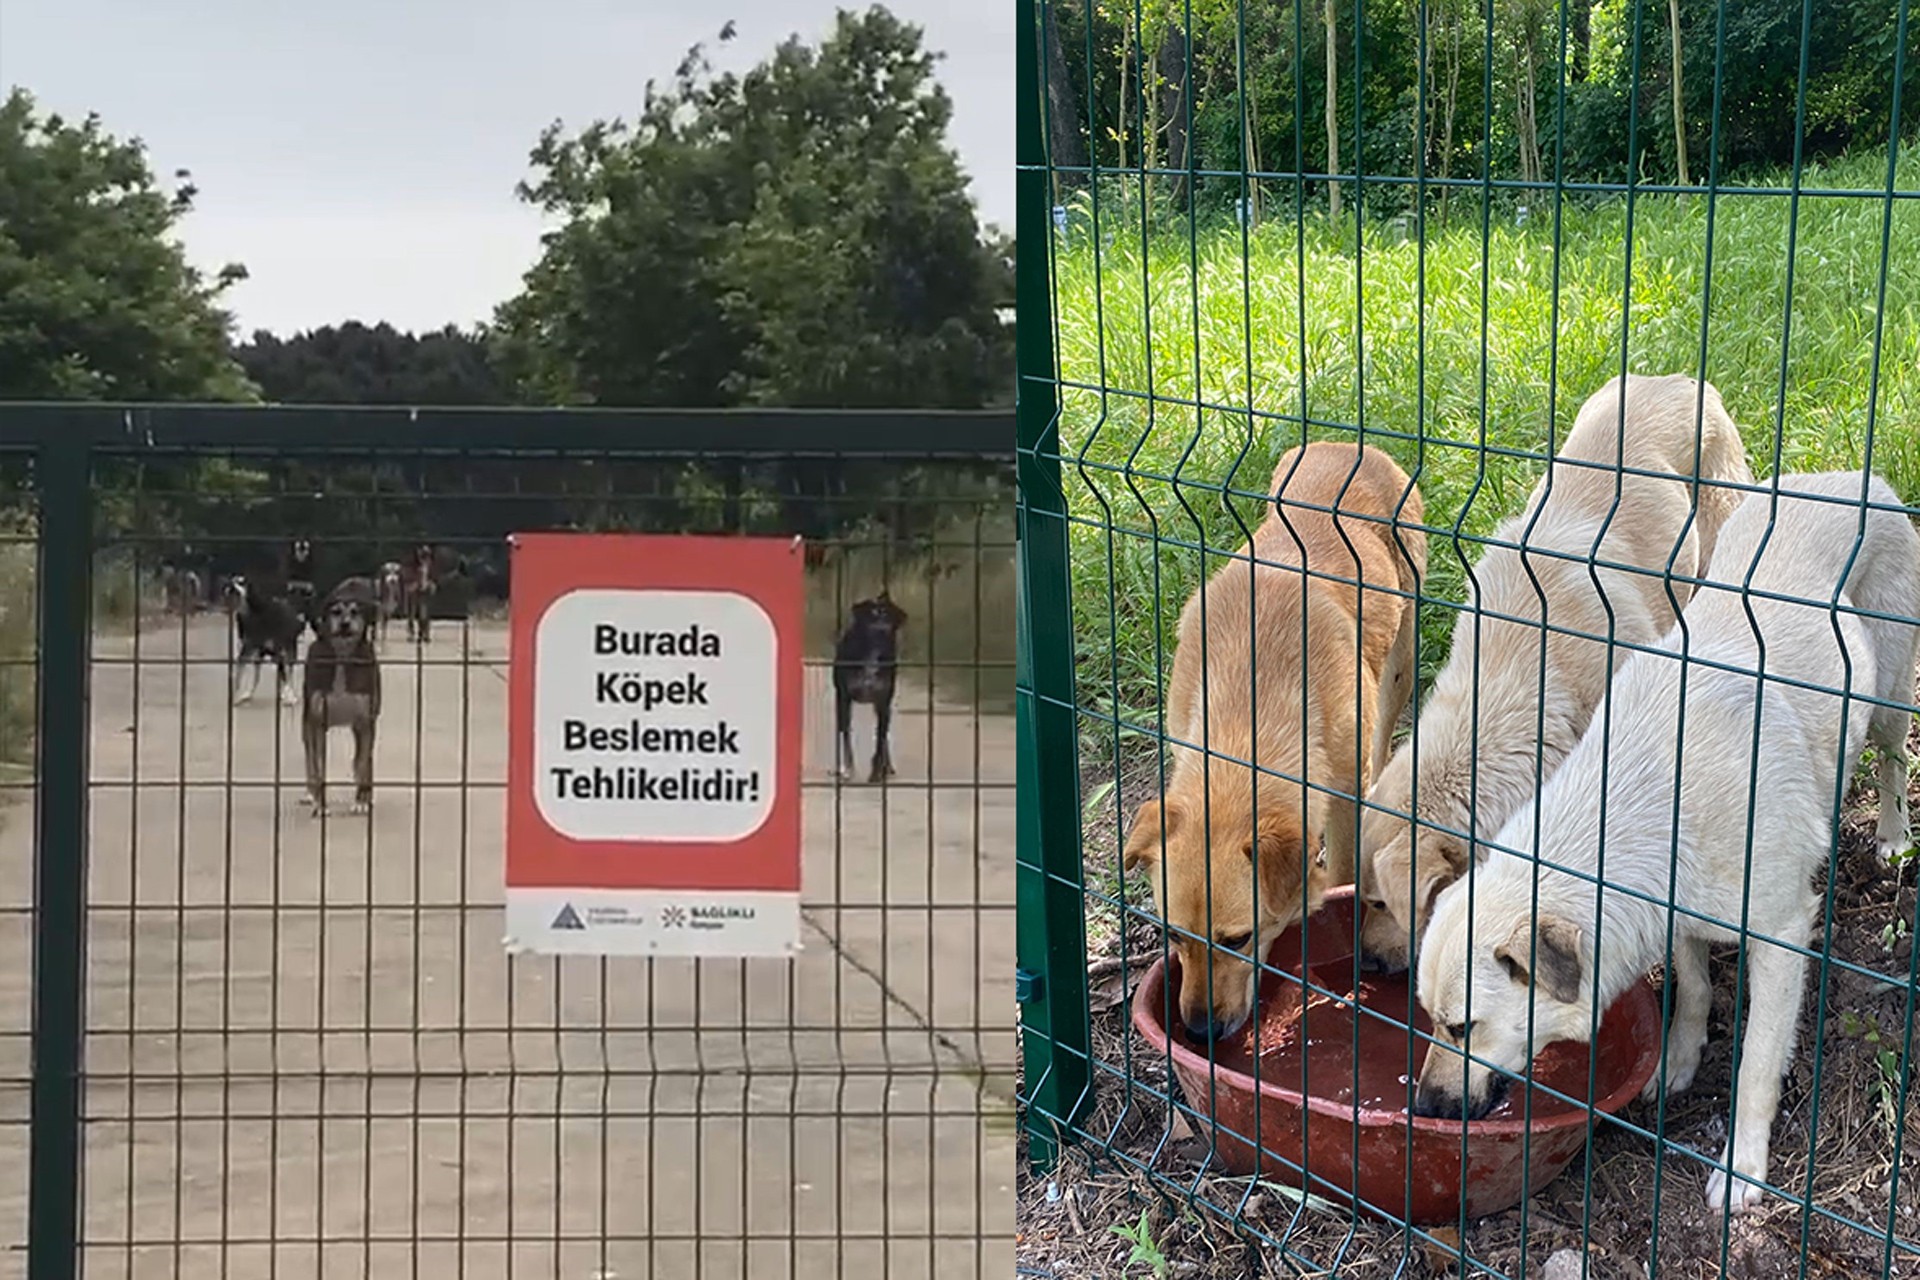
{"points": [[1175, 83], [1679, 111], [1524, 105], [1454, 26], [1333, 115], [1063, 110], [1249, 139], [1580, 37], [1150, 105]]}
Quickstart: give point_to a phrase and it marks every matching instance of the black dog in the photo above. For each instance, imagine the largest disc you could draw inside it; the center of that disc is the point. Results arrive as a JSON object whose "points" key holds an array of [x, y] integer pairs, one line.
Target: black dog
{"points": [[342, 689], [268, 626], [865, 665]]}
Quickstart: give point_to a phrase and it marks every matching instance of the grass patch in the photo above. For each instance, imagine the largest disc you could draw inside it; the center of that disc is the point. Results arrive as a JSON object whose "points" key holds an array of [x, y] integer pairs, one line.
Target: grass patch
{"points": [[1440, 357], [957, 590]]}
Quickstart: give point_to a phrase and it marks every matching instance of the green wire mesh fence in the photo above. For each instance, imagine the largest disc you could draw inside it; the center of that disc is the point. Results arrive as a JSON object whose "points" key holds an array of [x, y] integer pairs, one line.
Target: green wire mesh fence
{"points": [[244, 1040], [1566, 726]]}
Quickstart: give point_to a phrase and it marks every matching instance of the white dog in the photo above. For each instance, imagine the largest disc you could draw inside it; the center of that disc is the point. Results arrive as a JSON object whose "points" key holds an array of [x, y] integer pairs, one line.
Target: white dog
{"points": [[1484, 715], [1809, 740]]}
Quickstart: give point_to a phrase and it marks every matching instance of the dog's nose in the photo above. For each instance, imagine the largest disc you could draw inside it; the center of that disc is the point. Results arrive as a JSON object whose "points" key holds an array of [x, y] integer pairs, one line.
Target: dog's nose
{"points": [[1436, 1105], [1209, 1030]]}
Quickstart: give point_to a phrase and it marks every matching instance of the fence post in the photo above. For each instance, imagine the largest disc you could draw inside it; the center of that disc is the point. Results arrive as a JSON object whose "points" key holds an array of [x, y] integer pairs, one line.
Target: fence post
{"points": [[60, 855], [1051, 980]]}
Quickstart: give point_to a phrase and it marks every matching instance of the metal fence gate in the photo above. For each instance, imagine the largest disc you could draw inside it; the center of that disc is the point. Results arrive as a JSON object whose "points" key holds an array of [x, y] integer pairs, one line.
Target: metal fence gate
{"points": [[1244, 228], [239, 1041]]}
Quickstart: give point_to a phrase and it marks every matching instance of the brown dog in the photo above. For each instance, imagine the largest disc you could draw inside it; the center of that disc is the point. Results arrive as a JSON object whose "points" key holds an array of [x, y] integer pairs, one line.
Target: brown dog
{"points": [[342, 689], [1302, 676]]}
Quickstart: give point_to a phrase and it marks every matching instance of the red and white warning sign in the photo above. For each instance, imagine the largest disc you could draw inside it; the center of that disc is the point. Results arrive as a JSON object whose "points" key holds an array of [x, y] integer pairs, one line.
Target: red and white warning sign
{"points": [[654, 715]]}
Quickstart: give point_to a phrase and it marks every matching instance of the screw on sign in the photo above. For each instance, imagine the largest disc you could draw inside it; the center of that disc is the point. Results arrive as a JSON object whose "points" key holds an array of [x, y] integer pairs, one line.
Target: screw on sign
{"points": [[654, 716]]}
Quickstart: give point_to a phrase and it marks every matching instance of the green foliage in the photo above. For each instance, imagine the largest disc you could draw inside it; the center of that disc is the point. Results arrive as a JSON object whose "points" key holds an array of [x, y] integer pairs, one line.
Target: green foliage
{"points": [[1145, 1252], [97, 300], [1886, 1061], [1469, 100], [1149, 317], [355, 363], [800, 234]]}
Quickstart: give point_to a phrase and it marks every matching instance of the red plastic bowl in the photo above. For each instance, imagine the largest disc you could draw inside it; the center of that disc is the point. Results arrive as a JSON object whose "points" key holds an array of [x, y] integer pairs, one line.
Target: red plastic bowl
{"points": [[1413, 1168]]}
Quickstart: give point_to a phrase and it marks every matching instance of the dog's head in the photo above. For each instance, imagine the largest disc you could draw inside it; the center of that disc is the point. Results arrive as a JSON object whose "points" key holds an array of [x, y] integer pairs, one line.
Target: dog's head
{"points": [[234, 593], [1403, 868], [1226, 889], [302, 551], [343, 620], [877, 617], [1517, 961]]}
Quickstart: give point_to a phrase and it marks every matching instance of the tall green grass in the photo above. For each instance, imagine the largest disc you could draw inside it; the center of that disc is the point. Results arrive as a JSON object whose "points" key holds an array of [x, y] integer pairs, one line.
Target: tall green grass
{"points": [[1435, 354]]}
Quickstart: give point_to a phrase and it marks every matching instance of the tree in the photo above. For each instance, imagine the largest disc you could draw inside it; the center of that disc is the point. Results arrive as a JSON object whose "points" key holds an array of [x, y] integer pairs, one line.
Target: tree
{"points": [[800, 234], [97, 300], [1333, 115], [1066, 148], [1679, 94], [355, 363], [1527, 21]]}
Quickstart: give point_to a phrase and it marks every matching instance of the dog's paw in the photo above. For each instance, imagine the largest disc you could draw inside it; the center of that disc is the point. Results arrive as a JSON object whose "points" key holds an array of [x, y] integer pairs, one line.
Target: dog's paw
{"points": [[1679, 1077], [1733, 1193], [288, 698], [878, 775], [314, 808], [1892, 847], [362, 804]]}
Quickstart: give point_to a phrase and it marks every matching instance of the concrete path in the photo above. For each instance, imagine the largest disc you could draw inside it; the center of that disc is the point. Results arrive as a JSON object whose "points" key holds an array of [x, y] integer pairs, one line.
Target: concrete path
{"points": [[307, 1042]]}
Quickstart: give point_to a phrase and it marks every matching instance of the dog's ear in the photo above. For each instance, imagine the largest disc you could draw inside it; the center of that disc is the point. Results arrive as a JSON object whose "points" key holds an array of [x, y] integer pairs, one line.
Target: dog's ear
{"points": [[1437, 862], [1153, 822], [1553, 948], [1285, 866]]}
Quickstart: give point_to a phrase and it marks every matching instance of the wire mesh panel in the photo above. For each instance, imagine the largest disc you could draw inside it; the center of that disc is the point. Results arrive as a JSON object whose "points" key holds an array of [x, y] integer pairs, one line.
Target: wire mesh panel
{"points": [[1311, 296], [19, 643], [307, 1051]]}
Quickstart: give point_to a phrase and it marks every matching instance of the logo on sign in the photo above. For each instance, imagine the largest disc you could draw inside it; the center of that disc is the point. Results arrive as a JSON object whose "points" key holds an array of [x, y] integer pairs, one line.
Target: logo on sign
{"points": [[568, 918], [673, 917]]}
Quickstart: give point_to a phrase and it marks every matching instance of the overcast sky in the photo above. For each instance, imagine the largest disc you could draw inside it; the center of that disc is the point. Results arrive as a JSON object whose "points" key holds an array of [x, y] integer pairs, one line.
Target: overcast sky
{"points": [[360, 157]]}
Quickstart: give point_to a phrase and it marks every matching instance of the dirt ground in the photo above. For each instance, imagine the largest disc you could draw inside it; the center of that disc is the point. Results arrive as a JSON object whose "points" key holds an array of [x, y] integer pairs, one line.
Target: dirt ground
{"points": [[1147, 1165], [308, 1054]]}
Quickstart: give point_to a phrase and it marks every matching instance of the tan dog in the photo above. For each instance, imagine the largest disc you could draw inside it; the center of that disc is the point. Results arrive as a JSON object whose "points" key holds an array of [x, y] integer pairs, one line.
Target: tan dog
{"points": [[1247, 689], [1493, 702]]}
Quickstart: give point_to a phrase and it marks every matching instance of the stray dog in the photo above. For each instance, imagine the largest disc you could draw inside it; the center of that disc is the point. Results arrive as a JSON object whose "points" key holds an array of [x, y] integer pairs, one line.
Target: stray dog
{"points": [[181, 588], [392, 596], [1298, 675], [342, 690], [865, 668], [267, 627], [1479, 725], [1788, 794], [418, 593]]}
